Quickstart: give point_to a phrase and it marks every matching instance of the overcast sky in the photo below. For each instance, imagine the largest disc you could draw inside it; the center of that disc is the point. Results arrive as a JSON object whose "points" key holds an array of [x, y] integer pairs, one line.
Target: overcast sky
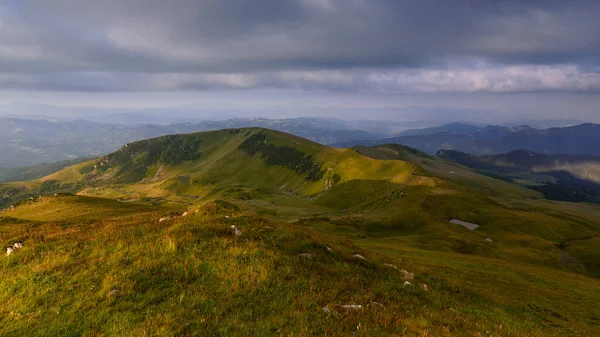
{"points": [[501, 59]]}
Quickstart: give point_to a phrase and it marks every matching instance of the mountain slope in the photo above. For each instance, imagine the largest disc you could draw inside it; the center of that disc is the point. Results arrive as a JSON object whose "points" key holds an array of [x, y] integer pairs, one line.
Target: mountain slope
{"points": [[145, 247]]}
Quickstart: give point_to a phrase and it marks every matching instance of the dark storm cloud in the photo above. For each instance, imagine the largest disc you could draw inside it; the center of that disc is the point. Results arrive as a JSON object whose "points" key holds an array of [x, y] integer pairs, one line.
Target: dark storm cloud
{"points": [[426, 45]]}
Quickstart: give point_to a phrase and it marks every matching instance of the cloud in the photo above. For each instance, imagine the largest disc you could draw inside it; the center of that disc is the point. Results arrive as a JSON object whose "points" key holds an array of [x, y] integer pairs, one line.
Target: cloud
{"points": [[348, 45]]}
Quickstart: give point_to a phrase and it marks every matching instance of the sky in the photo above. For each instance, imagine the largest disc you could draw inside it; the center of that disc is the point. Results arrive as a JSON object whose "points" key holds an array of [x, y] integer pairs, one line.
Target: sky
{"points": [[480, 60]]}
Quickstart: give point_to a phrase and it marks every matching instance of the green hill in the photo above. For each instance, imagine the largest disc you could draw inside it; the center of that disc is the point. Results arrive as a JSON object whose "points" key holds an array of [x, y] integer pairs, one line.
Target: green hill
{"points": [[116, 255]]}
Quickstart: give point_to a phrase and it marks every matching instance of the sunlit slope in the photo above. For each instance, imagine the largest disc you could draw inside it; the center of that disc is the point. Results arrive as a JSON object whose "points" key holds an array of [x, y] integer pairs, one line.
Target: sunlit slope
{"points": [[193, 166], [118, 270]]}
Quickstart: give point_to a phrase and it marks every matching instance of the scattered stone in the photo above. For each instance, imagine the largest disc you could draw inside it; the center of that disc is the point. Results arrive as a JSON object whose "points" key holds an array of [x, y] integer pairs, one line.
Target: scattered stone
{"points": [[329, 249], [184, 214], [406, 283], [9, 251], [408, 276], [306, 256], [424, 286], [489, 240], [236, 231], [163, 219], [352, 306], [390, 265], [56, 195], [359, 257], [326, 310], [18, 245], [377, 304], [452, 309], [227, 217], [465, 224]]}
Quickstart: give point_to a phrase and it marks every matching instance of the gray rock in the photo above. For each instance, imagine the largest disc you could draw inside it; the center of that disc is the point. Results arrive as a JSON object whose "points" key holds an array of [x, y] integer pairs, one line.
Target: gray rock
{"points": [[352, 306], [359, 257], [114, 293], [408, 276], [489, 240]]}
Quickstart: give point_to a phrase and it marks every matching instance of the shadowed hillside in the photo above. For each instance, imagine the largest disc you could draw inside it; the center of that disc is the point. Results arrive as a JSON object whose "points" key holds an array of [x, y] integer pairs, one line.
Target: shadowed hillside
{"points": [[559, 177]]}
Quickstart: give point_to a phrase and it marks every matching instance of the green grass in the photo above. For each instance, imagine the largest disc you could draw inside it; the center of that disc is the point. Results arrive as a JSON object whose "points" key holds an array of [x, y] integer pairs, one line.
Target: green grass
{"points": [[191, 276]]}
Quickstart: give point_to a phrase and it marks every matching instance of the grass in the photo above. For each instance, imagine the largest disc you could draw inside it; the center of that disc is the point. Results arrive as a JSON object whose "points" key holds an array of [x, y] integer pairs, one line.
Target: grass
{"points": [[101, 264], [127, 274]]}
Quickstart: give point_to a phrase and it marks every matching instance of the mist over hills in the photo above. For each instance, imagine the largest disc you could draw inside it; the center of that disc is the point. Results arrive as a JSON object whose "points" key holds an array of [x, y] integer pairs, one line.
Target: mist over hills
{"points": [[25, 142], [559, 177], [580, 139]]}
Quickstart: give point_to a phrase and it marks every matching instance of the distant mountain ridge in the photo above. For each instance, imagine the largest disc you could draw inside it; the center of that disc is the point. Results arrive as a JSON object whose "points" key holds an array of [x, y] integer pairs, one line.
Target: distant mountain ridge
{"points": [[583, 139], [559, 176]]}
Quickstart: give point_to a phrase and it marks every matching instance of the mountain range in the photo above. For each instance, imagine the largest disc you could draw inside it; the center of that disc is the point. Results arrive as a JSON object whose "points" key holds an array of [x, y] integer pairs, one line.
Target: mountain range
{"points": [[580, 139], [27, 142]]}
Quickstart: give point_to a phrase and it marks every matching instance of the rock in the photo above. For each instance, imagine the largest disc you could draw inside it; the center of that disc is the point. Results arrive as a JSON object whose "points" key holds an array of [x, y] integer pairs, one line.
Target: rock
{"points": [[359, 257], [114, 293], [329, 249], [406, 283], [227, 217], [489, 240], [236, 231], [352, 306], [18, 245], [306, 256], [184, 214], [163, 219], [9, 251], [424, 286], [468, 225], [376, 304], [326, 310], [390, 265], [408, 276]]}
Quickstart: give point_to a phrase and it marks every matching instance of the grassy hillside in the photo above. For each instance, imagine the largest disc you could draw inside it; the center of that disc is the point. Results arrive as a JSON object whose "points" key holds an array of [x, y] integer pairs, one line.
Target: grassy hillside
{"points": [[102, 263], [122, 272]]}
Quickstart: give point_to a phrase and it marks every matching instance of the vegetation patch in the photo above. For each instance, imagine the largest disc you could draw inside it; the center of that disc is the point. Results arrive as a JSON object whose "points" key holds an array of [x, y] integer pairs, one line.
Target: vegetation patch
{"points": [[285, 156], [134, 160]]}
